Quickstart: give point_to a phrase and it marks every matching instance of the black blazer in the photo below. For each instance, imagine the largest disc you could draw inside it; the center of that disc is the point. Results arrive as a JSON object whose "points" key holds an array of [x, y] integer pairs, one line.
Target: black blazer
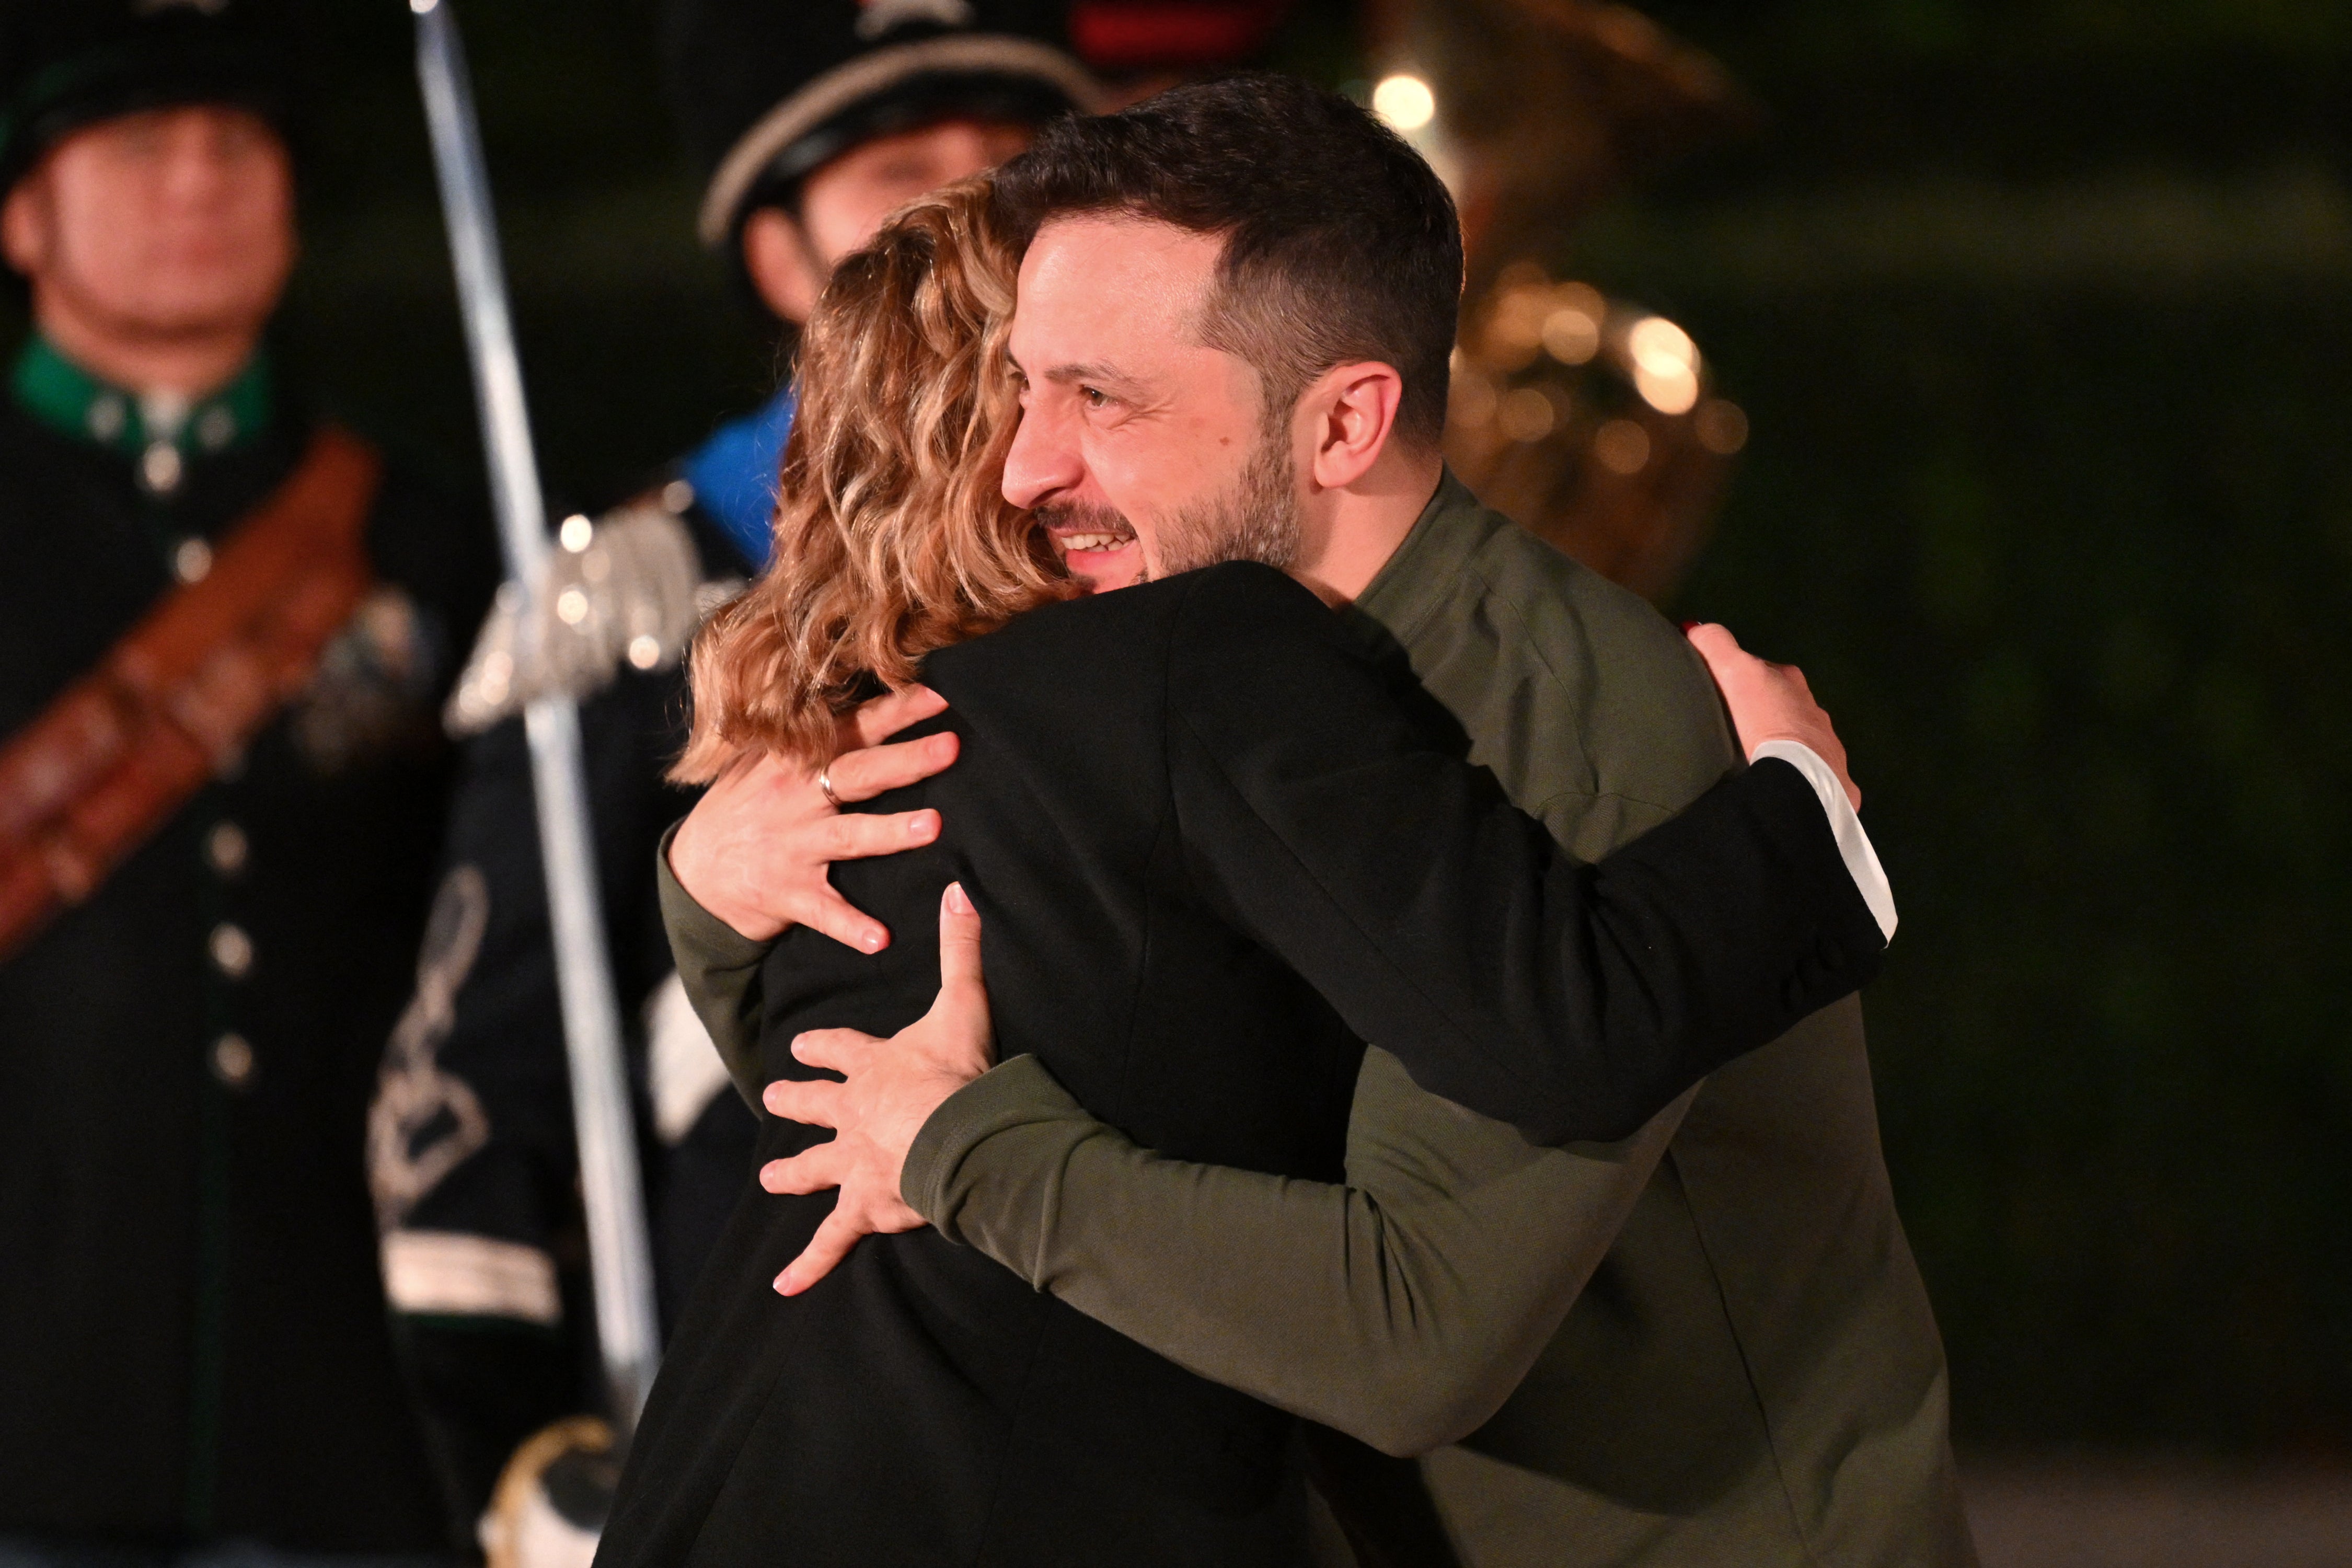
{"points": [[1211, 854]]}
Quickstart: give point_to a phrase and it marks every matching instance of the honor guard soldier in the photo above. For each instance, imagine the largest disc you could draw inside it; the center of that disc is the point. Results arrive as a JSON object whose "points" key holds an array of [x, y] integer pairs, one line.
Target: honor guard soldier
{"points": [[812, 123], [224, 634]]}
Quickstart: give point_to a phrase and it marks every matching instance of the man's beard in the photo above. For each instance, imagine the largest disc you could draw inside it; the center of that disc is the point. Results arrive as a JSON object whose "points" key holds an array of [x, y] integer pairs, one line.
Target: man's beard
{"points": [[1257, 520]]}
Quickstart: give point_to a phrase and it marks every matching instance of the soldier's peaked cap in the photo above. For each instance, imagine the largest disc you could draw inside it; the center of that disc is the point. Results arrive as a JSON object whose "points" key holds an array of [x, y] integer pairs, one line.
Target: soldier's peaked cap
{"points": [[768, 89], [65, 64]]}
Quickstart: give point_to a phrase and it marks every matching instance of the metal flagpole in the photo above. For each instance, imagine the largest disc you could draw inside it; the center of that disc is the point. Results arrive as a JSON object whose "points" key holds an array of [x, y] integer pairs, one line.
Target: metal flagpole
{"points": [[619, 1257]]}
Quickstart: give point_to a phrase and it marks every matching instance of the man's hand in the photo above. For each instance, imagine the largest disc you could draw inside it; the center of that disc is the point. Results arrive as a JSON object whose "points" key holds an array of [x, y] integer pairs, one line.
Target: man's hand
{"points": [[894, 1085], [755, 850], [1771, 701]]}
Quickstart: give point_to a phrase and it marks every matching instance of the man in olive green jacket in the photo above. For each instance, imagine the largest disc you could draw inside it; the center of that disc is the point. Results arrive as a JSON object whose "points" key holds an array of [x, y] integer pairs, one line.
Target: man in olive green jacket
{"points": [[1708, 1344]]}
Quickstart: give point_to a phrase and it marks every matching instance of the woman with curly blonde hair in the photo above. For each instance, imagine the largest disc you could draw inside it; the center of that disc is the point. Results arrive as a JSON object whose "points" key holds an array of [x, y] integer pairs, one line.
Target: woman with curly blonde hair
{"points": [[1212, 856], [893, 537]]}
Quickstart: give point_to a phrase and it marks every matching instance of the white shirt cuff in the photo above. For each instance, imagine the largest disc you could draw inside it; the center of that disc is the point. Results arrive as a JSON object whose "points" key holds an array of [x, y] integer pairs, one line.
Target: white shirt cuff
{"points": [[1854, 843]]}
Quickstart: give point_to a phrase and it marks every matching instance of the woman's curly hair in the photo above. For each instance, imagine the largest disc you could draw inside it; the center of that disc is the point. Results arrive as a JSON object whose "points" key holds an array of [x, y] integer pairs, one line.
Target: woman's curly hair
{"points": [[892, 533]]}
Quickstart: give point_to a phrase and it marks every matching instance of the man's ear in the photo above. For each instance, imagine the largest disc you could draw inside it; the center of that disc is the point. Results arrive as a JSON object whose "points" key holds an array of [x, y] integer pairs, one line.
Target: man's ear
{"points": [[783, 265], [25, 225], [1354, 410]]}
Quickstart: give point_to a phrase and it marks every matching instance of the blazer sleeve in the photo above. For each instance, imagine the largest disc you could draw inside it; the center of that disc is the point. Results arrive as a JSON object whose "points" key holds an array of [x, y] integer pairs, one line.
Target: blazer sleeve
{"points": [[1574, 1001]]}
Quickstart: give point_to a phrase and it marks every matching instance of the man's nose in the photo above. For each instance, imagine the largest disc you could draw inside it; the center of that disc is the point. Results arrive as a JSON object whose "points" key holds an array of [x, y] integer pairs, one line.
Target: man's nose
{"points": [[196, 170], [1043, 461]]}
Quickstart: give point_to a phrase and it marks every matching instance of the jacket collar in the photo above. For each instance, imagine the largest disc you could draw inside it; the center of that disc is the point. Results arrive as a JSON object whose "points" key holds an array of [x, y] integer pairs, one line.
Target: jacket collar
{"points": [[1421, 576], [67, 398]]}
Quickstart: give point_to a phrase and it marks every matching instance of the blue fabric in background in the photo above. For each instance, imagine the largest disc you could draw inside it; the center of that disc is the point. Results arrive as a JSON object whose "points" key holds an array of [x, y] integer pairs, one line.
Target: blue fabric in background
{"points": [[734, 475]]}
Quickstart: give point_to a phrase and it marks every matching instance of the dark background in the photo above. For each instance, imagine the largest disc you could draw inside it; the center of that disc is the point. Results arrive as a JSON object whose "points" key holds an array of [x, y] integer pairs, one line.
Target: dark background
{"points": [[2042, 313]]}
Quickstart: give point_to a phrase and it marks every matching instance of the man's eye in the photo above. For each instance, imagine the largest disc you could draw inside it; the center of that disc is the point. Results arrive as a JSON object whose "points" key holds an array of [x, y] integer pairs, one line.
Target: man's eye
{"points": [[1095, 396]]}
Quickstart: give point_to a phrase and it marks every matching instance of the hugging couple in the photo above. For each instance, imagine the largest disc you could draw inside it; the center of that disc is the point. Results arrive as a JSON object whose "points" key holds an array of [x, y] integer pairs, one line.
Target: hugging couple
{"points": [[1364, 1072]]}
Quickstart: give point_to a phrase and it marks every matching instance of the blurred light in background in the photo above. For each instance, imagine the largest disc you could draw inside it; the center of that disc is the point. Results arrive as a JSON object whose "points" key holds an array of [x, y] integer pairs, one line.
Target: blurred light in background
{"points": [[1571, 333], [1722, 426], [1623, 447], [1589, 420], [1514, 332], [1471, 401], [1406, 101], [1666, 364], [1526, 413]]}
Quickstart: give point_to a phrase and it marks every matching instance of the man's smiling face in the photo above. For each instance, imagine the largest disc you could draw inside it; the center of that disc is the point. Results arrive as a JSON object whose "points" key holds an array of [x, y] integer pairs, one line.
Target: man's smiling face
{"points": [[1139, 448]]}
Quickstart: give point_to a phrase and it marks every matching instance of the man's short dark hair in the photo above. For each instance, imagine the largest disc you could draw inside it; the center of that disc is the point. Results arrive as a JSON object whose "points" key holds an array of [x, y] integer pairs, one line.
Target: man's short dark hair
{"points": [[1341, 244]]}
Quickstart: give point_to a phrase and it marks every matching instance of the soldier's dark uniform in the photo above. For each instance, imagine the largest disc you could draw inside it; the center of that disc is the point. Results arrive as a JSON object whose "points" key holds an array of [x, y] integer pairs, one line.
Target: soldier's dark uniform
{"points": [[474, 1161], [193, 1347]]}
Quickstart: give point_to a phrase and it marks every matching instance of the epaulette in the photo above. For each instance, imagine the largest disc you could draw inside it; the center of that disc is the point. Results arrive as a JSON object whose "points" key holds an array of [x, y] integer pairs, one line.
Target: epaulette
{"points": [[625, 589]]}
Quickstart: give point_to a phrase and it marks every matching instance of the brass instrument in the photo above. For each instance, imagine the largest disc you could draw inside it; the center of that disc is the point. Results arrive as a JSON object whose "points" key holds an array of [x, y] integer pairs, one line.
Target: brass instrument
{"points": [[1592, 421]]}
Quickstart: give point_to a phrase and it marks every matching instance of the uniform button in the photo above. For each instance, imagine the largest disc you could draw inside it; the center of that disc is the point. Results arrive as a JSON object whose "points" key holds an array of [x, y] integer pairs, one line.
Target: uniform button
{"points": [[233, 1060], [232, 949], [192, 561], [225, 848], [107, 414], [160, 467]]}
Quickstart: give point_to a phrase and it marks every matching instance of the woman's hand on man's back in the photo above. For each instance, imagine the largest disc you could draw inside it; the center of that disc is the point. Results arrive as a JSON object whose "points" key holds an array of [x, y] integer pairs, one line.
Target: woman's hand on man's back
{"points": [[757, 848]]}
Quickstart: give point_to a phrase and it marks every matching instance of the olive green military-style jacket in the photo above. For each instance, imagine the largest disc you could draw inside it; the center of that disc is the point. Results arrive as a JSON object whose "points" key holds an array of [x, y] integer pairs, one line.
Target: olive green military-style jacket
{"points": [[1706, 1345]]}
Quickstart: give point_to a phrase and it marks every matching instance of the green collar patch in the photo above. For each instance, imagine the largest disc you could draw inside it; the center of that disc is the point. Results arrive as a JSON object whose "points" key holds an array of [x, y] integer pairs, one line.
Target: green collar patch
{"points": [[72, 402]]}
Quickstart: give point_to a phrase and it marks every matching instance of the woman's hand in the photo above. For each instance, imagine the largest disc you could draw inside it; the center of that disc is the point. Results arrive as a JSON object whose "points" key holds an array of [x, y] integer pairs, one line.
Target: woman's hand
{"points": [[1770, 701], [757, 848]]}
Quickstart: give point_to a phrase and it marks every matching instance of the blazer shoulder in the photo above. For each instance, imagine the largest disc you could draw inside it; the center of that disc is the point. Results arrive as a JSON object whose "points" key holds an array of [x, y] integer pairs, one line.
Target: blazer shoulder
{"points": [[1243, 587], [1136, 627], [1242, 610], [1224, 636]]}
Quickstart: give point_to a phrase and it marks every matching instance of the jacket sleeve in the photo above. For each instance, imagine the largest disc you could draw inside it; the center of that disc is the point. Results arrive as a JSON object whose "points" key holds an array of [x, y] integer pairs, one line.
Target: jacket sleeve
{"points": [[1574, 1001], [470, 1136], [719, 968], [1402, 1309], [470, 1145]]}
